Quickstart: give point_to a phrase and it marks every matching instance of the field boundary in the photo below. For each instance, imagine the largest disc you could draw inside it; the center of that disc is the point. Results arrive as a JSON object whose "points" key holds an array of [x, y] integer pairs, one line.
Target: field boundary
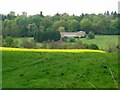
{"points": [[50, 50]]}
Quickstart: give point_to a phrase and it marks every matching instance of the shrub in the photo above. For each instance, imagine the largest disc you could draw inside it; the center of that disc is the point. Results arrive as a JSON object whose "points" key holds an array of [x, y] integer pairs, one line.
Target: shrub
{"points": [[118, 46], [57, 45], [51, 44], [113, 49], [62, 45], [9, 42], [28, 44], [78, 45], [44, 44], [91, 35], [1, 40], [70, 46], [71, 40], [86, 46], [54, 45], [94, 46]]}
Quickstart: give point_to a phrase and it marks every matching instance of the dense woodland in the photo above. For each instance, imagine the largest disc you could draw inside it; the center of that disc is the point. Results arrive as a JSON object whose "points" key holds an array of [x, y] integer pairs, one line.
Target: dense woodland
{"points": [[26, 26]]}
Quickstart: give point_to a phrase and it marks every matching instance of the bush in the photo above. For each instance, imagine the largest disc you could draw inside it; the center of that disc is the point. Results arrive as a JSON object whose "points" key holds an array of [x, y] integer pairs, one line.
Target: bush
{"points": [[70, 46], [78, 45], [44, 44], [118, 46], [86, 46], [91, 35], [54, 45], [9, 42], [62, 45], [1, 40], [94, 46], [113, 48], [28, 44], [71, 40]]}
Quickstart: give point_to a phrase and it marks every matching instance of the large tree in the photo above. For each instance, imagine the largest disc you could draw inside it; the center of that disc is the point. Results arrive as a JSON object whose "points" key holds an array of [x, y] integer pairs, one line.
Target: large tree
{"points": [[10, 28], [60, 23], [85, 25], [32, 28], [22, 22], [73, 25]]}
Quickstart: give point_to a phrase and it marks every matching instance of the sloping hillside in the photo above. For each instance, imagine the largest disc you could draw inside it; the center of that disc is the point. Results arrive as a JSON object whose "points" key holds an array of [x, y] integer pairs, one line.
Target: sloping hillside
{"points": [[59, 69]]}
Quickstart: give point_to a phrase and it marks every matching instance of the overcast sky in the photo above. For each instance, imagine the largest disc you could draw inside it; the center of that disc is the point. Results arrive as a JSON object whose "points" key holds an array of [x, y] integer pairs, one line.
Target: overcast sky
{"points": [[51, 7]]}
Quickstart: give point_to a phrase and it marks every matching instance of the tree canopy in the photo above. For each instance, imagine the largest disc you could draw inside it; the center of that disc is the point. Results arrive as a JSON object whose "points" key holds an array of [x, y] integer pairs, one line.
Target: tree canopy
{"points": [[27, 26]]}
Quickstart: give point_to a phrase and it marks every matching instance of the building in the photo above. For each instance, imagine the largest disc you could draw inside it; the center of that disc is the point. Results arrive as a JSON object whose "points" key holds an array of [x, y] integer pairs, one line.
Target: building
{"points": [[73, 34], [24, 14], [12, 13]]}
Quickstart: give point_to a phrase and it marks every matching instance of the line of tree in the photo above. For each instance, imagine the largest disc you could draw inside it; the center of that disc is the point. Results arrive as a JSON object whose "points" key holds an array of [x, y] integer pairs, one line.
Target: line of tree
{"points": [[26, 26], [47, 36]]}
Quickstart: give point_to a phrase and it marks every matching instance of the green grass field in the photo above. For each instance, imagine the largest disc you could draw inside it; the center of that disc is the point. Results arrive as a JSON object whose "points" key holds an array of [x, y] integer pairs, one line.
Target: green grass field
{"points": [[103, 41], [59, 70], [0, 69]]}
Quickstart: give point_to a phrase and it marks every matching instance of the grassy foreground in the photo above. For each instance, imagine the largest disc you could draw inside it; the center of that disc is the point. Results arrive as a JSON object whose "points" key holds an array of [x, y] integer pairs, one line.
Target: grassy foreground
{"points": [[59, 69]]}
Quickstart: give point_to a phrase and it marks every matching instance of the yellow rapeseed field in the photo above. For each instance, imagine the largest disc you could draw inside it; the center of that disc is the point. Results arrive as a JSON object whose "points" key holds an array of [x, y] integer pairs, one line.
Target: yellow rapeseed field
{"points": [[49, 50]]}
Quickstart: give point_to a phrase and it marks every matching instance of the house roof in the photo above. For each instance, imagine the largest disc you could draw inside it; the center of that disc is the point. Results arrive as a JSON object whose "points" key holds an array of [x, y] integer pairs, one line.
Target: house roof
{"points": [[80, 33], [68, 33]]}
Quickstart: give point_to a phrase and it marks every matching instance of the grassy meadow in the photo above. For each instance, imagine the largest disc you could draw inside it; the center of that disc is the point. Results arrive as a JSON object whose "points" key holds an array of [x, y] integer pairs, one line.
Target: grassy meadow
{"points": [[59, 69], [0, 69], [103, 41]]}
